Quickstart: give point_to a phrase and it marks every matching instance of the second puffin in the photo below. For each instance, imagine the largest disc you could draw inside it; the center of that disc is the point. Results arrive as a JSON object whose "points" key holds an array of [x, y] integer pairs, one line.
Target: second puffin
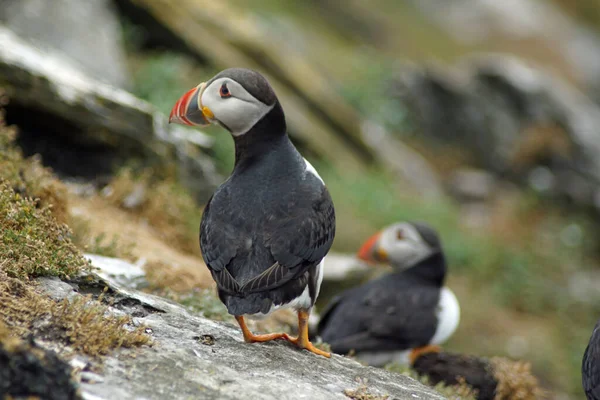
{"points": [[265, 231]]}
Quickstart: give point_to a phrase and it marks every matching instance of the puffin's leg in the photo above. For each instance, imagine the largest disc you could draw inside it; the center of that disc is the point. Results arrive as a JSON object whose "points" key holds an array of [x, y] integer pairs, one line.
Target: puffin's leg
{"points": [[419, 351], [251, 338], [302, 339]]}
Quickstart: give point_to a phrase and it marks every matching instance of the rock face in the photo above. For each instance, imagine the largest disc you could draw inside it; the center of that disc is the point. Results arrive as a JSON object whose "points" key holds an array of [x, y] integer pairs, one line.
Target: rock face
{"points": [[475, 22], [513, 120], [198, 358], [85, 126], [86, 31]]}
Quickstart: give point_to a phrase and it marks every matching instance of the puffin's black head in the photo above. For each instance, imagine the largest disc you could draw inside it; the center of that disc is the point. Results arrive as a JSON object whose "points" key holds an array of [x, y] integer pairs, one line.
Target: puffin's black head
{"points": [[235, 98], [402, 245]]}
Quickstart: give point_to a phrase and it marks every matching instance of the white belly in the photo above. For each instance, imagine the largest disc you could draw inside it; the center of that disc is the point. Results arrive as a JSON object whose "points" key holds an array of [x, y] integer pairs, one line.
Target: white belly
{"points": [[448, 316]]}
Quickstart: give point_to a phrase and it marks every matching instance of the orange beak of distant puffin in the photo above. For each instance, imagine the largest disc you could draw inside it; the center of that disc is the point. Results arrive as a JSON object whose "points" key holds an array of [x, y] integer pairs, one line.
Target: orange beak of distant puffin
{"points": [[188, 110], [371, 251]]}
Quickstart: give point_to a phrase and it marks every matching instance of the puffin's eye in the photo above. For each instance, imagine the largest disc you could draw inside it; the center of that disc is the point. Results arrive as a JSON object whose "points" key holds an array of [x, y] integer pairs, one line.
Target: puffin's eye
{"points": [[224, 91], [399, 234]]}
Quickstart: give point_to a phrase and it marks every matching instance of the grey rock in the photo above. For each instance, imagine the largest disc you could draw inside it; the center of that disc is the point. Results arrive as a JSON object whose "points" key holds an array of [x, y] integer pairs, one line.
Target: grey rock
{"points": [[476, 21], [38, 80], [509, 118], [86, 31], [179, 365], [120, 271], [56, 288], [136, 197], [472, 184]]}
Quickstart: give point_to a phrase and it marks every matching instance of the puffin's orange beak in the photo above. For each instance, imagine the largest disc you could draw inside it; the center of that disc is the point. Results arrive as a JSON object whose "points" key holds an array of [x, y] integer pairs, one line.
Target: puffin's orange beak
{"points": [[371, 252], [188, 109]]}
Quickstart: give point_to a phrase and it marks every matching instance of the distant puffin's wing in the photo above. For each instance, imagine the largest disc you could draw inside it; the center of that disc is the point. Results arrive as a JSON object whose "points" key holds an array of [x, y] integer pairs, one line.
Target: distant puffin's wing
{"points": [[300, 238], [410, 318], [385, 314], [328, 311]]}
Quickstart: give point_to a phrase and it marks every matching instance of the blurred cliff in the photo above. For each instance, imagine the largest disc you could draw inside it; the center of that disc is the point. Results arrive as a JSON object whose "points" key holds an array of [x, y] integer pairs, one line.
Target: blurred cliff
{"points": [[481, 117]]}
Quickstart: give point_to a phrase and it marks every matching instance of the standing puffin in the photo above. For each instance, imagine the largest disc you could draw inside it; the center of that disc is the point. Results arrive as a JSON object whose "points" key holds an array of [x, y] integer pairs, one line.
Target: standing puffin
{"points": [[590, 366], [266, 230], [401, 315]]}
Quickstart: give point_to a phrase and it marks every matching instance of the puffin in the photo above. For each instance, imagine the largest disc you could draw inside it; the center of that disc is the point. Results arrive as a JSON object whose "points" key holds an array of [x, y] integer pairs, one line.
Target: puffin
{"points": [[266, 230], [590, 366], [401, 315]]}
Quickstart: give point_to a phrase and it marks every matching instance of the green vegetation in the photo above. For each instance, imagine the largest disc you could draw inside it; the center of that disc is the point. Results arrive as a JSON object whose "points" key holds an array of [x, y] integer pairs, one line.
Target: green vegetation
{"points": [[34, 243], [27, 177]]}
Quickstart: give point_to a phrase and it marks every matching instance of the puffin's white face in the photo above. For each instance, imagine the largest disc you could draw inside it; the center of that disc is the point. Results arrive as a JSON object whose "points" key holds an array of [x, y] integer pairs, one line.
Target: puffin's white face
{"points": [[232, 106], [223, 102], [400, 244], [403, 246]]}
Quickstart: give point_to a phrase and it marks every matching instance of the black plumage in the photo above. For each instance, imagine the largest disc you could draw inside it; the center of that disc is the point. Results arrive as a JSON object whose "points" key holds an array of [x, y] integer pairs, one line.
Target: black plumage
{"points": [[393, 313], [267, 228], [590, 366]]}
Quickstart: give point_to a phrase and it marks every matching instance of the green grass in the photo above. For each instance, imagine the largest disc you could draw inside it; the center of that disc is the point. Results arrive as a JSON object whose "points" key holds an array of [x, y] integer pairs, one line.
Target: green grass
{"points": [[34, 243]]}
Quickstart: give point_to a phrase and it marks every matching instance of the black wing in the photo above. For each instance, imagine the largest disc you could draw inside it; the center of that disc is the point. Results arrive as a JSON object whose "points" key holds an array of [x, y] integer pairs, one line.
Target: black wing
{"points": [[298, 234], [216, 238], [390, 313], [590, 369]]}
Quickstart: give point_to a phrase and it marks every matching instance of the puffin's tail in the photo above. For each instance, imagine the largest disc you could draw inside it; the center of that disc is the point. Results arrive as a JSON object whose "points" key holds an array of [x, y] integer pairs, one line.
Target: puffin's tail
{"points": [[252, 303]]}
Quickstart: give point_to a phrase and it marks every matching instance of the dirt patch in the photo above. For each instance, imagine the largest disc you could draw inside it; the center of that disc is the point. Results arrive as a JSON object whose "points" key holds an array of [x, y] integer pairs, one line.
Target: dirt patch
{"points": [[102, 217], [157, 198]]}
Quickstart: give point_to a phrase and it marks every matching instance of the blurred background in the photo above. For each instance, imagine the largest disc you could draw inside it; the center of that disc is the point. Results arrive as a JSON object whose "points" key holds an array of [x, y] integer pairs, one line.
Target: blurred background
{"points": [[480, 117]]}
